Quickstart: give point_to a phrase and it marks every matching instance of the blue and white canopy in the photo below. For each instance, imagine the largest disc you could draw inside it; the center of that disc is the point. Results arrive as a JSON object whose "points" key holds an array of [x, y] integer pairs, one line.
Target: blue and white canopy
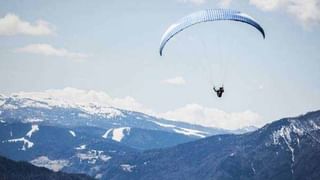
{"points": [[207, 16]]}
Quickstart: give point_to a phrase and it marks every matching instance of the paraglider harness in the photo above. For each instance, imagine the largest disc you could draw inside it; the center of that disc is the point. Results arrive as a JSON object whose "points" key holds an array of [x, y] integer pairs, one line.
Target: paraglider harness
{"points": [[219, 92]]}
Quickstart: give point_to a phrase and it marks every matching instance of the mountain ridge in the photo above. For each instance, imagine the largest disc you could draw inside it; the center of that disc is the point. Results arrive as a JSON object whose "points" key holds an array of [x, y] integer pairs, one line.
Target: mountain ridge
{"points": [[279, 150]]}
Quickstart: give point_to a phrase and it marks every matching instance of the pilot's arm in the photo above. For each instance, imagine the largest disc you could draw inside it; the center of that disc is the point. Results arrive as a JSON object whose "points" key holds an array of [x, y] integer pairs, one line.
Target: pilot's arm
{"points": [[214, 88]]}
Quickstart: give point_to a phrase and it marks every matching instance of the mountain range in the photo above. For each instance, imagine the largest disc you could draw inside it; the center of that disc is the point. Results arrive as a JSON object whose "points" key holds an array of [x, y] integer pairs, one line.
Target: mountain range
{"points": [[111, 143]]}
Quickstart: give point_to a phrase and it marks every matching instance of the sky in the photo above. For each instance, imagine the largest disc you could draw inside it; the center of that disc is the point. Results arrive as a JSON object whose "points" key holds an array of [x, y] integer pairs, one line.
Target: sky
{"points": [[112, 48]]}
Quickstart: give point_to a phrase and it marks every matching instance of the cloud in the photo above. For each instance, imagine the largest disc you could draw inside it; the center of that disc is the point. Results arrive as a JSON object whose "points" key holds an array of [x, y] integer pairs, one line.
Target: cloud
{"points": [[178, 81], [267, 5], [306, 12], [190, 113], [11, 24], [212, 117], [48, 50]]}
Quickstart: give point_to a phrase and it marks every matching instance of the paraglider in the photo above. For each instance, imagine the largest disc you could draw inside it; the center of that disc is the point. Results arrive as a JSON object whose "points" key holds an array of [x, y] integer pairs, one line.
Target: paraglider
{"points": [[209, 15], [219, 91]]}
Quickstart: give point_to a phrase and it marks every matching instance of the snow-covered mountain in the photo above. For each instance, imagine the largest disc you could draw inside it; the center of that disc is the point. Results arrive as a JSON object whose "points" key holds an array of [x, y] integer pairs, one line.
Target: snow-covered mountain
{"points": [[56, 109]]}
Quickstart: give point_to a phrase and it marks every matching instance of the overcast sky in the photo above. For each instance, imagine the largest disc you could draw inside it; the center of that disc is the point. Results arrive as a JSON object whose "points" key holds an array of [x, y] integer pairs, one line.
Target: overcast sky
{"points": [[112, 47]]}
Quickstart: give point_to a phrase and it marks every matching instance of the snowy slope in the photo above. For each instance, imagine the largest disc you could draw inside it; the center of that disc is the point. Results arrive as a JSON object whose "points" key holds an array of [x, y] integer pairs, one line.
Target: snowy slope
{"points": [[117, 134], [26, 139]]}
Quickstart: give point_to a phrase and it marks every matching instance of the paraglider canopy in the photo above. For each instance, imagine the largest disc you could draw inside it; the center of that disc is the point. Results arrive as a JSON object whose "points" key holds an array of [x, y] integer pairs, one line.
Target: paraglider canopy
{"points": [[208, 15]]}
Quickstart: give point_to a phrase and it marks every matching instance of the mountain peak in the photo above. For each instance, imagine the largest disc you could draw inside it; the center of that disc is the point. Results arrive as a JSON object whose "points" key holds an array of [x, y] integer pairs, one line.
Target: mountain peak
{"points": [[288, 131]]}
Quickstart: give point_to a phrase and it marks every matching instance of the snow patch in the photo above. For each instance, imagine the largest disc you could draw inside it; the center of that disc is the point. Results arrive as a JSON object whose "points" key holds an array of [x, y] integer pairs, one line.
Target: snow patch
{"points": [[34, 128], [2, 121], [26, 143], [9, 107], [297, 130], [81, 147], [34, 104], [98, 176], [253, 169], [104, 158], [314, 125], [190, 132], [292, 155], [72, 133], [117, 134], [92, 156], [32, 120], [107, 112], [127, 167], [164, 125], [286, 134], [286, 131], [54, 165], [105, 135]]}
